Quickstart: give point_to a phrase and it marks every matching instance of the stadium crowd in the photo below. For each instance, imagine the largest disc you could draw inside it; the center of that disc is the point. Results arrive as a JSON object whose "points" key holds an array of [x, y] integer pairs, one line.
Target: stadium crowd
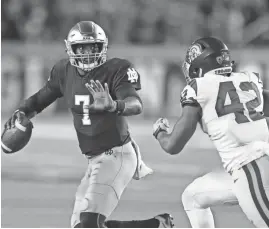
{"points": [[133, 21]]}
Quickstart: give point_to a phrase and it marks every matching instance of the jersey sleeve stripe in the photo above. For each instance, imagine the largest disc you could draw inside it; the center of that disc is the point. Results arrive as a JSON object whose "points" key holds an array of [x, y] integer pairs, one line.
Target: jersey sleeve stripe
{"points": [[193, 84], [189, 101], [258, 76]]}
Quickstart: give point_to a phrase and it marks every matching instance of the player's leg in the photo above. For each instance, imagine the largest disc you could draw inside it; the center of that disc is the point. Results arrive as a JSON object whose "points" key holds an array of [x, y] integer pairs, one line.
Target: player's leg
{"points": [[162, 220], [80, 193], [251, 185], [109, 176], [214, 188]]}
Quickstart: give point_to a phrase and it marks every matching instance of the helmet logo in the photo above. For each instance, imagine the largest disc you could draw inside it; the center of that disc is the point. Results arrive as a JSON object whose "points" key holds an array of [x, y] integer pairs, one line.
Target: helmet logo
{"points": [[193, 52], [88, 38]]}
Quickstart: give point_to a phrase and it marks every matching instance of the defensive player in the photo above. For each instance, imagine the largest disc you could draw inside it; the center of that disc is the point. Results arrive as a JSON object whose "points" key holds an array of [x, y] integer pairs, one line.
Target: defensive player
{"points": [[229, 107], [212, 189], [99, 93]]}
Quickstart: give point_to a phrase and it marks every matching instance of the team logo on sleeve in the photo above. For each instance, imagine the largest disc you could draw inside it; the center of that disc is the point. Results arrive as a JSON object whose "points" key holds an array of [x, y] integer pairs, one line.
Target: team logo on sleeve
{"points": [[132, 75], [188, 96]]}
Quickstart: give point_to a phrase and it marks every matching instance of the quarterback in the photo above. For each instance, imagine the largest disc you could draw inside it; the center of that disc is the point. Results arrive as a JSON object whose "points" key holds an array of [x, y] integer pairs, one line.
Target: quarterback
{"points": [[229, 106], [100, 92]]}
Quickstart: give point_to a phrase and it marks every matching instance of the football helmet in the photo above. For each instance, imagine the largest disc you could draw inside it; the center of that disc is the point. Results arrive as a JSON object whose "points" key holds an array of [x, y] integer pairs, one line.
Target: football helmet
{"points": [[82, 34], [204, 55]]}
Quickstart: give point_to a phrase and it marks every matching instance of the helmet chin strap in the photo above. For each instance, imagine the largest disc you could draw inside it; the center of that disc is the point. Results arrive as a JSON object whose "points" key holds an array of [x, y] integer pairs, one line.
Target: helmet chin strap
{"points": [[200, 72]]}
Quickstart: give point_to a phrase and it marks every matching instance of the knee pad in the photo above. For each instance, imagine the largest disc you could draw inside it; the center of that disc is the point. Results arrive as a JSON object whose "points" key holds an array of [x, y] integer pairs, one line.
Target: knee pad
{"points": [[192, 198], [212, 189], [101, 199], [92, 220]]}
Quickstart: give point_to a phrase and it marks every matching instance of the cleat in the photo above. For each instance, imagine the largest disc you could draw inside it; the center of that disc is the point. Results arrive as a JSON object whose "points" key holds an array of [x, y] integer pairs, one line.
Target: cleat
{"points": [[166, 220]]}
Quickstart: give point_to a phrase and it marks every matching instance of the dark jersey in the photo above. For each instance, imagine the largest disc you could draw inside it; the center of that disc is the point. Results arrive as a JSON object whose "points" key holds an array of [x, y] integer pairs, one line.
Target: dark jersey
{"points": [[96, 132]]}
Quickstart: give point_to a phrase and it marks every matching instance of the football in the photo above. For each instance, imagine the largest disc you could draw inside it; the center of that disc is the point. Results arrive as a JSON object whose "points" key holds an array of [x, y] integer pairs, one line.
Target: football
{"points": [[16, 138]]}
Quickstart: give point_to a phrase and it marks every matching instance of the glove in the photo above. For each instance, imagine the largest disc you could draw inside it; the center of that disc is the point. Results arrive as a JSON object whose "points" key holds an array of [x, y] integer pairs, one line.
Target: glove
{"points": [[17, 115], [161, 124]]}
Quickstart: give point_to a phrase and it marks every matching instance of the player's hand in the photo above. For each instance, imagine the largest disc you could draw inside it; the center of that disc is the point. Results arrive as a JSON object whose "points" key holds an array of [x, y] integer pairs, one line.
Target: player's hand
{"points": [[102, 100], [17, 115], [161, 124]]}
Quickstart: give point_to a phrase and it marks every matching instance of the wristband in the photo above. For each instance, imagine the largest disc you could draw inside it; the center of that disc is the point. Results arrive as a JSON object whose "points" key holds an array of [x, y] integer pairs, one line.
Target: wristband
{"points": [[120, 106], [155, 134], [114, 108]]}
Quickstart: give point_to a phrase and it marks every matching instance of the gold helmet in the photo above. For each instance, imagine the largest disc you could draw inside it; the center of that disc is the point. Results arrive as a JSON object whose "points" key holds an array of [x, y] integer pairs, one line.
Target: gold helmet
{"points": [[87, 33]]}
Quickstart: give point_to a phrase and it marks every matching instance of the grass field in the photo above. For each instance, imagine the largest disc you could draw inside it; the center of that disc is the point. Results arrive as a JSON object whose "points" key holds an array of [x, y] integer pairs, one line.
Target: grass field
{"points": [[39, 183]]}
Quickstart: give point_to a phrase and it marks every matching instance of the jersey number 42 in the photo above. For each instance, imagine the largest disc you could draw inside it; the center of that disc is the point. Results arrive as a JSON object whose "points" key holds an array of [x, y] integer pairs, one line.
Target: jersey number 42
{"points": [[244, 112]]}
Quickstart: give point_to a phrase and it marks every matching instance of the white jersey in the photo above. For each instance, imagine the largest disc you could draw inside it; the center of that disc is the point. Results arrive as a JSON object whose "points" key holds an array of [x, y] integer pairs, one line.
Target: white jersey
{"points": [[231, 115]]}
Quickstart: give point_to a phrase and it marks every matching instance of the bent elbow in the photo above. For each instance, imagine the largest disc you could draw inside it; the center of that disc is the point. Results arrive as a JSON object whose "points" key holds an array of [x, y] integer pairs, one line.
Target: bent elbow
{"points": [[174, 149], [139, 109], [174, 152]]}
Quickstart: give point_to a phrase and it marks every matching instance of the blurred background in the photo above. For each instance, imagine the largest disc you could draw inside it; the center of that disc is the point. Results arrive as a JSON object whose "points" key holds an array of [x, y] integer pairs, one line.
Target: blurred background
{"points": [[153, 34], [38, 184]]}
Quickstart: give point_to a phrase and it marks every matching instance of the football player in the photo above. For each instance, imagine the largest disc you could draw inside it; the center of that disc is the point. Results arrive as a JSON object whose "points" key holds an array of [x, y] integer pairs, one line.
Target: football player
{"points": [[212, 189], [99, 93], [229, 107]]}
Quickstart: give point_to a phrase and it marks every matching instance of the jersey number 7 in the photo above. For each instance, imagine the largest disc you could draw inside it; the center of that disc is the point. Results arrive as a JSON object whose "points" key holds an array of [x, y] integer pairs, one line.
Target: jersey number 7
{"points": [[85, 100], [242, 113]]}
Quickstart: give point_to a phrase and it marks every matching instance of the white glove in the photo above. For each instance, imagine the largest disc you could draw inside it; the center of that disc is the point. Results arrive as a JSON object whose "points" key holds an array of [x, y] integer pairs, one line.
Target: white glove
{"points": [[161, 124]]}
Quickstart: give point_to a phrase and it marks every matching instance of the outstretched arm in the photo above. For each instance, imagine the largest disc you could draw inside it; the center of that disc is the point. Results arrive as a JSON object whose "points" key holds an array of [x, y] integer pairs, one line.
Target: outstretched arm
{"points": [[125, 87], [132, 106], [33, 105], [130, 100], [123, 90], [183, 130], [127, 101], [39, 101], [45, 96]]}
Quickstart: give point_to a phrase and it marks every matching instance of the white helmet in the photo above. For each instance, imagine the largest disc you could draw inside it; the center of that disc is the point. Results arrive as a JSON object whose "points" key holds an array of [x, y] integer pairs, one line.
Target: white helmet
{"points": [[86, 32]]}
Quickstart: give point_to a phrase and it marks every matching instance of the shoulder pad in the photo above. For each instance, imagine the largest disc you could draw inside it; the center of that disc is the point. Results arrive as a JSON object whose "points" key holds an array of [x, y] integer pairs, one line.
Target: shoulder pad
{"points": [[61, 65], [125, 73], [253, 76], [118, 62], [258, 76], [58, 69]]}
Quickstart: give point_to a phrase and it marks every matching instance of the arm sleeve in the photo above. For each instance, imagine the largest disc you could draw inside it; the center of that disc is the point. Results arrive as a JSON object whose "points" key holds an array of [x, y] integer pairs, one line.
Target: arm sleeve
{"points": [[127, 82], [45, 96]]}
